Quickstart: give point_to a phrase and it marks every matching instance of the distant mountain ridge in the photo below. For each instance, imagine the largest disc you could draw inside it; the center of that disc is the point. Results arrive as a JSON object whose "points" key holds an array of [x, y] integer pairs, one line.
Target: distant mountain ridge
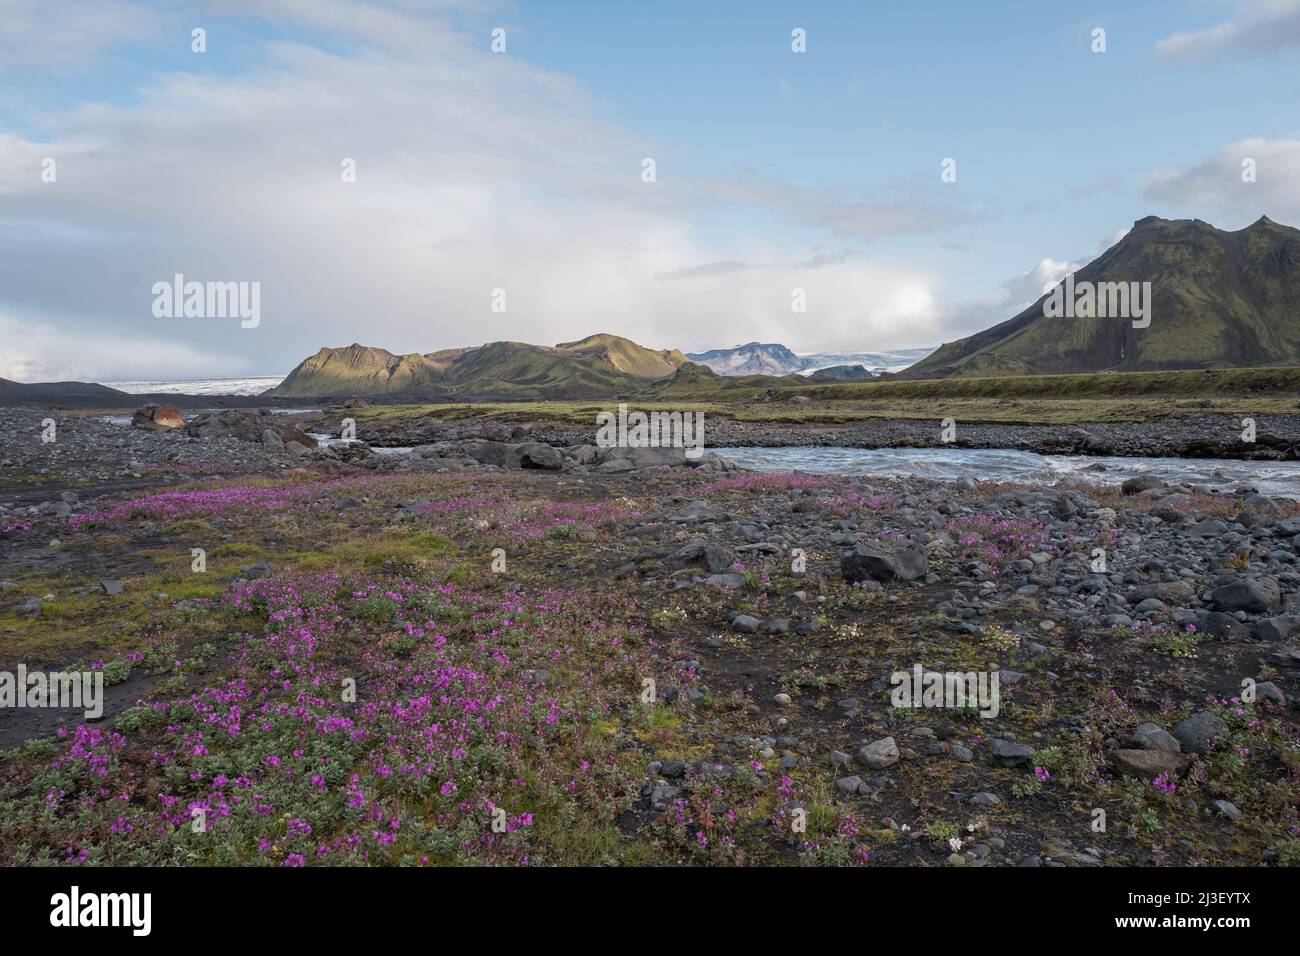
{"points": [[599, 366], [756, 358], [1218, 299], [89, 395]]}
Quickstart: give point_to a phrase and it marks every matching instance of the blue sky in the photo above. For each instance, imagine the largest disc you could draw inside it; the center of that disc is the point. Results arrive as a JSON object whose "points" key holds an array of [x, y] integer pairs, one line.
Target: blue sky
{"points": [[775, 169], [1053, 141]]}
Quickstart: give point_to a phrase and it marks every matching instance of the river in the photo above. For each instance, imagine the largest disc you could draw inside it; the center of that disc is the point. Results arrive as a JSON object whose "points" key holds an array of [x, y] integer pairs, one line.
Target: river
{"points": [[1274, 478]]}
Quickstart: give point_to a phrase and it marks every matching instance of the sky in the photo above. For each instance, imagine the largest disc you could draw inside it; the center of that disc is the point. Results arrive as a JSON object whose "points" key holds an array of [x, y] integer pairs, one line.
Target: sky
{"points": [[504, 193]]}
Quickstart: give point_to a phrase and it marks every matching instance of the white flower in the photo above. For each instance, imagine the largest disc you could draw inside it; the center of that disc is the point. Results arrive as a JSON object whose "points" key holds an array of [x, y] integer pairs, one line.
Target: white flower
{"points": [[955, 843]]}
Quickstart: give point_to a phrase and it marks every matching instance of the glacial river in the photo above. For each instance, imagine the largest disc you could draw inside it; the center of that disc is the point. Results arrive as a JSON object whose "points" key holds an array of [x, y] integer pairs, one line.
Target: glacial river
{"points": [[1274, 478]]}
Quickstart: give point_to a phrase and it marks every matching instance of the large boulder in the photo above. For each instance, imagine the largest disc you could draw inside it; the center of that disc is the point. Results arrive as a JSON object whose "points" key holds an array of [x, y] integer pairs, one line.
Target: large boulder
{"points": [[1149, 763], [535, 454], [1254, 595], [1154, 737], [1198, 732], [529, 454], [715, 559], [871, 563], [880, 754], [248, 425], [488, 452], [1273, 629], [1141, 483], [272, 440], [154, 417], [1010, 753], [1221, 625], [1170, 592], [650, 457]]}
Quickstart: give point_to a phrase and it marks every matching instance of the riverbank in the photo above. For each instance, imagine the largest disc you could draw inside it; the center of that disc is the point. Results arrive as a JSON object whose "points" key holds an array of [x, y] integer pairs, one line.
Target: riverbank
{"points": [[1190, 435]]}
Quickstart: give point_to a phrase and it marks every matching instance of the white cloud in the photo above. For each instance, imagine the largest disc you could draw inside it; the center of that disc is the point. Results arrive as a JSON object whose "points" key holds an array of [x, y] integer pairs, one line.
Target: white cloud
{"points": [[1010, 298], [474, 172], [1110, 240], [35, 352], [41, 36], [1260, 26], [1214, 190]]}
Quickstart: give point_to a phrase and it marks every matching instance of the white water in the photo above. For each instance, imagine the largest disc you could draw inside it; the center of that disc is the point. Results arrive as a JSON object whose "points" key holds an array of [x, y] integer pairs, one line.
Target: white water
{"points": [[1279, 479], [328, 441]]}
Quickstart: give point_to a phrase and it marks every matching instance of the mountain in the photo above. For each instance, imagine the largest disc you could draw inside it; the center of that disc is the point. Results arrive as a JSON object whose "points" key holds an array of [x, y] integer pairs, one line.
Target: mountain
{"points": [[89, 395], [772, 359], [1218, 299], [69, 394], [361, 370], [598, 366], [752, 359], [841, 373], [628, 357], [694, 382], [876, 363]]}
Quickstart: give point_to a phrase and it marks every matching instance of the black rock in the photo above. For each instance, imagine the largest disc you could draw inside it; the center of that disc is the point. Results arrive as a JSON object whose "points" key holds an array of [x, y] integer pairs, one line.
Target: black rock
{"points": [[1255, 595], [1008, 753], [869, 563]]}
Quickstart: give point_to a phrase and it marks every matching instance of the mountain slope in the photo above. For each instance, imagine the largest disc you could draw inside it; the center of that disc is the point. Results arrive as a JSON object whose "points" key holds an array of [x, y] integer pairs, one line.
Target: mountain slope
{"points": [[359, 370], [694, 382], [842, 373], [628, 357], [1218, 299], [596, 367]]}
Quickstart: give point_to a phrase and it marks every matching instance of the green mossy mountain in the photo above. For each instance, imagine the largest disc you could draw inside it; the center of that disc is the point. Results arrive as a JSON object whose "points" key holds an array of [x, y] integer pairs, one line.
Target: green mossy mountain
{"points": [[694, 382], [598, 366], [1218, 299]]}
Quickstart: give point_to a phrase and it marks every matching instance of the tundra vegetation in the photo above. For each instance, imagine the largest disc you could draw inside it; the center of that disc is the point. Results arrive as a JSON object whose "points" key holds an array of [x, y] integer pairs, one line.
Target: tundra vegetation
{"points": [[355, 679]]}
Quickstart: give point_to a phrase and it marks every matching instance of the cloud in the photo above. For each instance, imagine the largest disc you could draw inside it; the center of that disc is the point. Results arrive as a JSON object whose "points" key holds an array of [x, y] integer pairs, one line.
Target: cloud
{"points": [[1214, 189], [37, 36], [707, 269], [1261, 26], [475, 172], [37, 352], [1010, 298], [830, 210], [1110, 240]]}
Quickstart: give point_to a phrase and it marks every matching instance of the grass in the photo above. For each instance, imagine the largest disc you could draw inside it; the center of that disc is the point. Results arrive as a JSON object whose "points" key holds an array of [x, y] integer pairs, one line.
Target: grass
{"points": [[1029, 399]]}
